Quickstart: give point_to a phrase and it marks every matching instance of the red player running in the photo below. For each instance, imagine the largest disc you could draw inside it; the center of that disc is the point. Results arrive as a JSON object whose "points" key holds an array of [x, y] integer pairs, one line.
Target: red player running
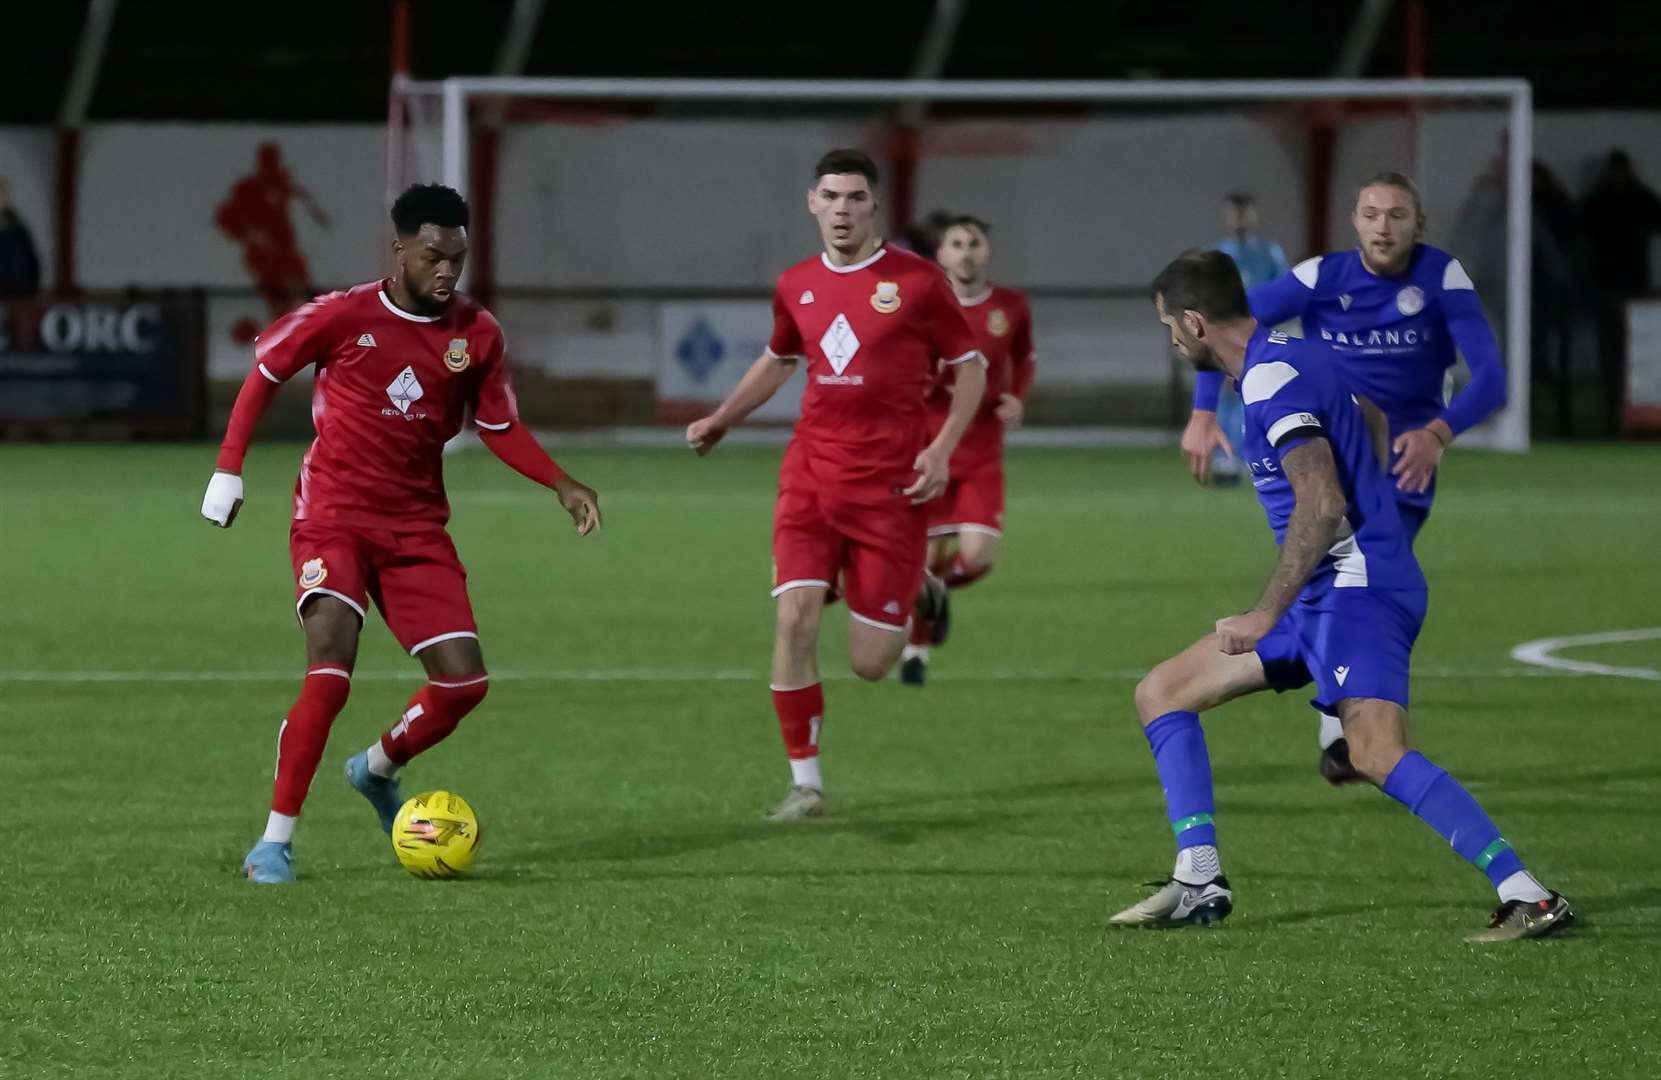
{"points": [[966, 523], [872, 323], [255, 214], [398, 362]]}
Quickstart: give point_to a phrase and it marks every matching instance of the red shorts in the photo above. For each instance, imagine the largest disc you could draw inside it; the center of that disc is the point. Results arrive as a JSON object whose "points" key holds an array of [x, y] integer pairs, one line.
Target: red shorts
{"points": [[972, 502], [875, 545], [415, 578]]}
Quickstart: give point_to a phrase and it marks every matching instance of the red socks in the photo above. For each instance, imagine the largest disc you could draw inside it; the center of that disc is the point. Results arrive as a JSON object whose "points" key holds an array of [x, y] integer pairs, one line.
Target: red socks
{"points": [[301, 738], [800, 714], [432, 714]]}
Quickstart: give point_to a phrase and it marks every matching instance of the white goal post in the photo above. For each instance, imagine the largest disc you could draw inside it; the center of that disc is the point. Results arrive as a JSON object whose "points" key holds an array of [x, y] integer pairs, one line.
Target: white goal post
{"points": [[449, 105]]}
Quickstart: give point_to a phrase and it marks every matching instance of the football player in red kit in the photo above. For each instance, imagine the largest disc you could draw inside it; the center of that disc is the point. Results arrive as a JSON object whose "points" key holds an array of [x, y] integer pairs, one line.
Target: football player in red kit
{"points": [[966, 523], [399, 361], [870, 323]]}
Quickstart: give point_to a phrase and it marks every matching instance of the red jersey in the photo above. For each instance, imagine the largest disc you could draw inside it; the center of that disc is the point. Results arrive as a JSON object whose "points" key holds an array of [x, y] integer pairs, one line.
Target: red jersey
{"points": [[872, 335], [1002, 324], [391, 389]]}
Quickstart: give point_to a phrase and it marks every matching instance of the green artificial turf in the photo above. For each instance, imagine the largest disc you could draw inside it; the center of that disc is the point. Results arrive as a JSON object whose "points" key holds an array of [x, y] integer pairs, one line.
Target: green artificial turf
{"points": [[633, 916]]}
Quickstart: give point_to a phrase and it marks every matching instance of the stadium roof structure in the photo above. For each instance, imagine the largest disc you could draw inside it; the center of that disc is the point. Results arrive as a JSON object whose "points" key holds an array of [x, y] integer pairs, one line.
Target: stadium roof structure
{"points": [[323, 60]]}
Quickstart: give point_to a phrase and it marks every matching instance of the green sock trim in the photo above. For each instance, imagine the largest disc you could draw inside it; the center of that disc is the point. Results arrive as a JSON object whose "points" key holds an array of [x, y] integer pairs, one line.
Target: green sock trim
{"points": [[1193, 820], [1490, 852]]}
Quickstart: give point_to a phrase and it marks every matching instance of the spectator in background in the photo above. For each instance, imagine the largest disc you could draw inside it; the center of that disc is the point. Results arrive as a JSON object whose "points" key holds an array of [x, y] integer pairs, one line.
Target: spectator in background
{"points": [[1259, 260], [1555, 289], [19, 265], [1620, 215], [1481, 234]]}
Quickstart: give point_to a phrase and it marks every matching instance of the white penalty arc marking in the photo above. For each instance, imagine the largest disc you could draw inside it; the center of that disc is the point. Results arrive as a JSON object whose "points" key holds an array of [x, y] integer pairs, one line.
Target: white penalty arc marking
{"points": [[1543, 653]]}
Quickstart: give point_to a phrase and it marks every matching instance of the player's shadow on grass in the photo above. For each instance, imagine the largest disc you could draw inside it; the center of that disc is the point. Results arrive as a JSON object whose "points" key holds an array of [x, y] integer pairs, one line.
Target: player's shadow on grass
{"points": [[1534, 779], [1344, 912], [831, 872], [1108, 790], [1103, 783], [1588, 907], [635, 846]]}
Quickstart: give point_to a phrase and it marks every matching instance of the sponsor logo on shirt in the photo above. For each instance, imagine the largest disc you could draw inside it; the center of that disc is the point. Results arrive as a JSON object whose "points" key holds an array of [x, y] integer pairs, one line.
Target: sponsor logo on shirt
{"points": [[1341, 672], [366, 340], [887, 297], [997, 323], [1278, 337], [1411, 300], [456, 357], [891, 608], [312, 573], [840, 343], [807, 297], [1374, 338], [404, 391], [1345, 301]]}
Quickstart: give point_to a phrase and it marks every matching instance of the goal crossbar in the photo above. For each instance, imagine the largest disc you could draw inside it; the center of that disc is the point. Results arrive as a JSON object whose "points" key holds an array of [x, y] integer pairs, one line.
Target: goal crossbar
{"points": [[1511, 428]]}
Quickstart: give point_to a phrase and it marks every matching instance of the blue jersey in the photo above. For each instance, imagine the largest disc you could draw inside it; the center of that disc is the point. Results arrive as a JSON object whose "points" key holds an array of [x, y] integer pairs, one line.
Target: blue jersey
{"points": [[1395, 337], [1293, 393], [1260, 261]]}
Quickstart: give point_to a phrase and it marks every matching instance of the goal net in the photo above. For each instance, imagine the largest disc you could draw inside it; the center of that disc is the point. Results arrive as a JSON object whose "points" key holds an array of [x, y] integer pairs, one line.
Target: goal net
{"points": [[628, 232]]}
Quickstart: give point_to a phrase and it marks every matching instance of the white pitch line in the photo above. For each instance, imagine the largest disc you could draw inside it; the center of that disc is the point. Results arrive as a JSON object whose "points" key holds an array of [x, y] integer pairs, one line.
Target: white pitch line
{"points": [[1542, 653], [411, 675], [663, 675]]}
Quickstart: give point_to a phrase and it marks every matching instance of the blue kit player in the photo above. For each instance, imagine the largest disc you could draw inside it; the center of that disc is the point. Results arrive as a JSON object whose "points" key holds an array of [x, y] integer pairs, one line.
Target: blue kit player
{"points": [[1342, 608], [1394, 310]]}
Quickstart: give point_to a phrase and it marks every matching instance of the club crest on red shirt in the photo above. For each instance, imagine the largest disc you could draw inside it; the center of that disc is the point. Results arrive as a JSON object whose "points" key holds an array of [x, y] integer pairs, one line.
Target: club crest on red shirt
{"points": [[312, 573], [456, 357], [997, 323], [887, 297]]}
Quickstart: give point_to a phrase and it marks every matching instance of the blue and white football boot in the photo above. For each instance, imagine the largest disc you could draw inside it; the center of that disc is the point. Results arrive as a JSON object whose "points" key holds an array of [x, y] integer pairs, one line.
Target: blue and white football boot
{"points": [[381, 791], [270, 863]]}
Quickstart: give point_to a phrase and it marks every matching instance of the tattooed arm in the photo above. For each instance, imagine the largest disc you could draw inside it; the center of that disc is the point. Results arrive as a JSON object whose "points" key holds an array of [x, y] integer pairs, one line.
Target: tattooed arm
{"points": [[1310, 533]]}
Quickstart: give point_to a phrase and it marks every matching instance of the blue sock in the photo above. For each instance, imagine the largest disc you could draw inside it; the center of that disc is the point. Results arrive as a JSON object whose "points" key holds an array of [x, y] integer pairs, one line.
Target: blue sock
{"points": [[1440, 802], [1178, 744]]}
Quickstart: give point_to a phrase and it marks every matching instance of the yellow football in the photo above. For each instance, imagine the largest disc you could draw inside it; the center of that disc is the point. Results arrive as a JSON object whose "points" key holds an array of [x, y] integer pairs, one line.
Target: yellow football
{"points": [[436, 835]]}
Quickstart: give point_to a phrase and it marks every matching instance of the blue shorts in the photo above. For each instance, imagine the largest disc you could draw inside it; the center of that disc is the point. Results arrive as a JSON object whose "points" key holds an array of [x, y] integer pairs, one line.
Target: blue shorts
{"points": [[1351, 643]]}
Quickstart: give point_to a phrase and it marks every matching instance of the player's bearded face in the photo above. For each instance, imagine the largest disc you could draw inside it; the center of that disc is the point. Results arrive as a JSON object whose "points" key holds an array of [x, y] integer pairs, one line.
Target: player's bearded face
{"points": [[1387, 226], [846, 209], [1187, 341], [430, 262]]}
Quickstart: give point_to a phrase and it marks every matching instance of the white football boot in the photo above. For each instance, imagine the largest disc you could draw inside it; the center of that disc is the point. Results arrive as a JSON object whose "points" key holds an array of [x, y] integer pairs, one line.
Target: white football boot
{"points": [[1179, 904]]}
